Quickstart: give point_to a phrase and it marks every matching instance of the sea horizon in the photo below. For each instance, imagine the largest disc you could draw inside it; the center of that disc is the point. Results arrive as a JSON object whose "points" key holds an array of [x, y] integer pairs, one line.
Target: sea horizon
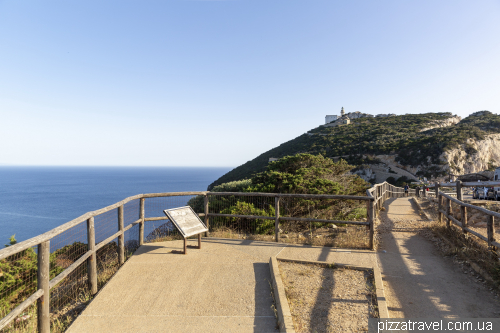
{"points": [[36, 199]]}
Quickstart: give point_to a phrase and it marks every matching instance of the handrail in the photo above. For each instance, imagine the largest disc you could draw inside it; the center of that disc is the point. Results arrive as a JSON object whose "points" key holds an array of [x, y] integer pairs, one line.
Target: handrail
{"points": [[461, 203], [490, 227], [292, 195], [21, 246], [466, 184]]}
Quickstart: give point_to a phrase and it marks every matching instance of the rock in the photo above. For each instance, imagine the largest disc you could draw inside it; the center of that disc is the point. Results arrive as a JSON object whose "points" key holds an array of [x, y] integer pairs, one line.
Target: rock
{"points": [[284, 236], [333, 226]]}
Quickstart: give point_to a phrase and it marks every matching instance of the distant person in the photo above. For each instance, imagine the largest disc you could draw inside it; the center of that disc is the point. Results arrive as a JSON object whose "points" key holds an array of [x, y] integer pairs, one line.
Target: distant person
{"points": [[406, 190]]}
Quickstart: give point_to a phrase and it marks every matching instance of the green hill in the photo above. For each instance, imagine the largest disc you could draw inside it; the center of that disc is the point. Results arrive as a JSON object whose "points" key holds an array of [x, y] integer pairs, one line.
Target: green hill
{"points": [[411, 138]]}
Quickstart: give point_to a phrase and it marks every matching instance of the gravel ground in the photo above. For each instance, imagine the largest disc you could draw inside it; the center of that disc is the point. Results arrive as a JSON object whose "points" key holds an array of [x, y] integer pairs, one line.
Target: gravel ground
{"points": [[326, 299]]}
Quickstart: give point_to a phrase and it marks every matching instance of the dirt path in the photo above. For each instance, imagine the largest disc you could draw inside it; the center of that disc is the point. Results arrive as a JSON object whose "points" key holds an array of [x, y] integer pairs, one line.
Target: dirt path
{"points": [[419, 281]]}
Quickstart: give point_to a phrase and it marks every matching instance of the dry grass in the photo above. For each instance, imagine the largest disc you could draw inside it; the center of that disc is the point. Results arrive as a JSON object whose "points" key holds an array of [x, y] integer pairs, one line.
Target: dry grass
{"points": [[463, 245], [469, 248], [353, 237], [326, 299]]}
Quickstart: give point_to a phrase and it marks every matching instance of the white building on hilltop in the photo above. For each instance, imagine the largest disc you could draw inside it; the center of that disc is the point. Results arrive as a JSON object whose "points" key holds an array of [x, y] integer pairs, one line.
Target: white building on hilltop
{"points": [[330, 118], [345, 118]]}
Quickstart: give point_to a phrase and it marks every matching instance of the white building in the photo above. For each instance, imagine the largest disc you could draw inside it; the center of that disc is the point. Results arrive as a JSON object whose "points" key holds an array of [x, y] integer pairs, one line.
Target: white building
{"points": [[330, 118]]}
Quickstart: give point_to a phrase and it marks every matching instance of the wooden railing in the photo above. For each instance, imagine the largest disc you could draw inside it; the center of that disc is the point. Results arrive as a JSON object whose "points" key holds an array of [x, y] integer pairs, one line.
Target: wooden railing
{"points": [[277, 218], [41, 296], [374, 199], [445, 210]]}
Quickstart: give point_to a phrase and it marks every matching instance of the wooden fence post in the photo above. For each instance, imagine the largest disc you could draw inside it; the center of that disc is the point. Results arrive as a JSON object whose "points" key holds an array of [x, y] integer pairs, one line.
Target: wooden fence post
{"points": [[142, 214], [277, 218], [491, 229], [459, 190], [436, 188], [440, 207], [370, 212], [43, 276], [463, 213], [207, 220], [448, 212], [121, 243], [92, 260]]}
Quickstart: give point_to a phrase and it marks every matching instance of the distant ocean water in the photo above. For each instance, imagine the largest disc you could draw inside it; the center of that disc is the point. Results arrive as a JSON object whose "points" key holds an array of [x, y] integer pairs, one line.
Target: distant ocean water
{"points": [[34, 200]]}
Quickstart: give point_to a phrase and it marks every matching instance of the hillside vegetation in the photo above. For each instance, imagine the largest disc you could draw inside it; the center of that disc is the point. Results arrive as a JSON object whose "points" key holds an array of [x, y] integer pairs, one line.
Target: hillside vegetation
{"points": [[299, 174], [406, 136]]}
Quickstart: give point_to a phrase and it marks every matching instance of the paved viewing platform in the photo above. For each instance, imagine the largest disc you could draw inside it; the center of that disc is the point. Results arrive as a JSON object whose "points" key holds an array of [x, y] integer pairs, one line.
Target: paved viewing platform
{"points": [[223, 287]]}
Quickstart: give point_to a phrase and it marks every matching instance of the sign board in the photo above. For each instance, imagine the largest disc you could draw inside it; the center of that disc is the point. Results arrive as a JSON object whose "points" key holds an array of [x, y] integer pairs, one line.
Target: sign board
{"points": [[186, 220]]}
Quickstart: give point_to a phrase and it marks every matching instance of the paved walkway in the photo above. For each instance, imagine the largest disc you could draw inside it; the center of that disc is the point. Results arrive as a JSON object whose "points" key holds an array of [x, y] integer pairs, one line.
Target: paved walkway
{"points": [[224, 287], [418, 281]]}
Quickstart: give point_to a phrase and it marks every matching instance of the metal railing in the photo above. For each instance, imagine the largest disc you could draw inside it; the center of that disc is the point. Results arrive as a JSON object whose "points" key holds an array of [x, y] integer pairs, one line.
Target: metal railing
{"points": [[79, 256]]}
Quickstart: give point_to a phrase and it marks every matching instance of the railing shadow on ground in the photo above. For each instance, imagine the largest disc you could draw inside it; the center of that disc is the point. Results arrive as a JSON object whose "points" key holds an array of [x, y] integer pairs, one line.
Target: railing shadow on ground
{"points": [[411, 257], [395, 258], [263, 297]]}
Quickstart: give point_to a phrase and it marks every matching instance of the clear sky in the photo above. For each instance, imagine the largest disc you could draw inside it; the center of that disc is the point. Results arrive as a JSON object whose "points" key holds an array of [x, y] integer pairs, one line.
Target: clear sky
{"points": [[216, 83]]}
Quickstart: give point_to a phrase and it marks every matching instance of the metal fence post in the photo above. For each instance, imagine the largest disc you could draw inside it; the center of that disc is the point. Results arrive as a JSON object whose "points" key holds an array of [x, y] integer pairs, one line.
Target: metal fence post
{"points": [[277, 218], [207, 219], [91, 261], [141, 223], [121, 243], [43, 276]]}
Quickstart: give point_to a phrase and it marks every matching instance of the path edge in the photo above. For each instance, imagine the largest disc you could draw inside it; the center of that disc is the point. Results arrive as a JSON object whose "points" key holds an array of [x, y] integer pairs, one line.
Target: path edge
{"points": [[285, 320]]}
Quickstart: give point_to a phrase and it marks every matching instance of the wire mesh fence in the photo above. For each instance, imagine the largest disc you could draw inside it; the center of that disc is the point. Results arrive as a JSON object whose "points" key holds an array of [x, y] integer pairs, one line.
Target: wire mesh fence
{"points": [[242, 205], [70, 295], [131, 212], [107, 262], [131, 237], [18, 281], [290, 230], [106, 225], [69, 298]]}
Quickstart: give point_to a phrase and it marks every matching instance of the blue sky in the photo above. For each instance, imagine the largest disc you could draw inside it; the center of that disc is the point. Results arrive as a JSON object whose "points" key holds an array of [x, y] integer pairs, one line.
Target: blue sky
{"points": [[216, 83]]}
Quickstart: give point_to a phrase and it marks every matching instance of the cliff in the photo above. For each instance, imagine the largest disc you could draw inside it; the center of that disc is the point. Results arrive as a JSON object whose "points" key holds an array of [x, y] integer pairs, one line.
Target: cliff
{"points": [[428, 145]]}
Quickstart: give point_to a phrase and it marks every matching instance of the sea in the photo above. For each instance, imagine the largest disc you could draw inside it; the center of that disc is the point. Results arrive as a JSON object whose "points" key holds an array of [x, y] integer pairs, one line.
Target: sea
{"points": [[34, 200]]}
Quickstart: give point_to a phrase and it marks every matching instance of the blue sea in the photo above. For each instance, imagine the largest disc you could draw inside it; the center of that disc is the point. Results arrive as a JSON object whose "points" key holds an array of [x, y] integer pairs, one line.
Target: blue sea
{"points": [[34, 200]]}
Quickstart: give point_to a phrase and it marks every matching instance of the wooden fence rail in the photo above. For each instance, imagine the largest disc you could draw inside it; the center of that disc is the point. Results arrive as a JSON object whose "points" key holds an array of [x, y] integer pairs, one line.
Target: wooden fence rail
{"points": [[445, 200], [375, 197]]}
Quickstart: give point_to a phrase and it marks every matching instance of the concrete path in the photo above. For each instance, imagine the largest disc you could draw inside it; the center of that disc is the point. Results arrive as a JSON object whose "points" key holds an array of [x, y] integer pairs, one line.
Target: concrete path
{"points": [[224, 287], [418, 281]]}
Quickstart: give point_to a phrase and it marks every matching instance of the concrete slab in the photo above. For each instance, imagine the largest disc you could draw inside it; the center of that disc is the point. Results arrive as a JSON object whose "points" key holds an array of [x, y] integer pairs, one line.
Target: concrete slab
{"points": [[223, 287], [418, 281], [329, 255]]}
